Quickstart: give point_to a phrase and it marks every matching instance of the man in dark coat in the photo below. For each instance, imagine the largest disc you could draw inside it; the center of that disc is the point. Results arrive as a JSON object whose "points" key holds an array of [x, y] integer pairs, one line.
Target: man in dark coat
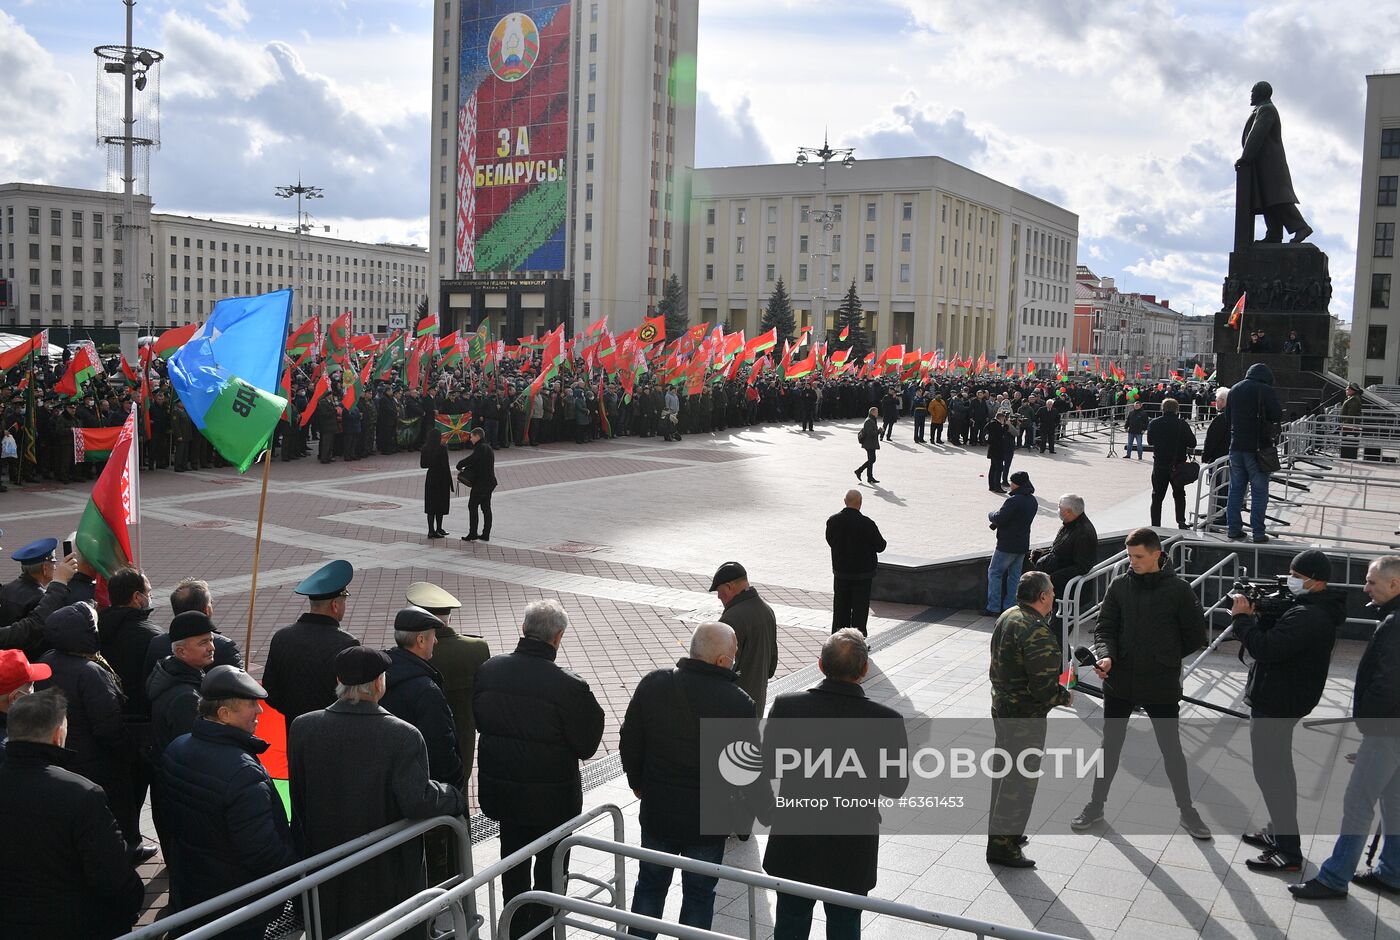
{"points": [[1287, 673], [27, 632], [755, 627], [1001, 448], [226, 822], [37, 563], [869, 438], [65, 873], [413, 692], [478, 471], [1172, 441], [855, 541], [326, 424], [124, 632], [300, 671], [1149, 621], [536, 721], [1251, 406], [1375, 774], [173, 687], [1271, 190], [660, 749], [354, 769], [799, 848], [1075, 549], [437, 485], [457, 658], [1012, 523]]}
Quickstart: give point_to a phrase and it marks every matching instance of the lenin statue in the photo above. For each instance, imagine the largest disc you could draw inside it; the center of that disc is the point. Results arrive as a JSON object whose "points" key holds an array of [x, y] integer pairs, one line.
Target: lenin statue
{"points": [[1264, 164]]}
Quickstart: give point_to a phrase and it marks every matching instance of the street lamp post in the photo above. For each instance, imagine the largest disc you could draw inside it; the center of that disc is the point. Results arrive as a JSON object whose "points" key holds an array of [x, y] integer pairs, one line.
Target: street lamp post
{"points": [[300, 191], [825, 217]]}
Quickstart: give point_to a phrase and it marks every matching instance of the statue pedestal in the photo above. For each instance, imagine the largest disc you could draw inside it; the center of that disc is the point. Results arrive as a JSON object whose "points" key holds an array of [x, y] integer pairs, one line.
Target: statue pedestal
{"points": [[1287, 288]]}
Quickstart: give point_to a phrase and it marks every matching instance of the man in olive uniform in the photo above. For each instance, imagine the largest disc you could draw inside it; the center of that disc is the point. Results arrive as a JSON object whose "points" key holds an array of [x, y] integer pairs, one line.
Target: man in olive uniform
{"points": [[300, 672], [1025, 675], [457, 658], [37, 563]]}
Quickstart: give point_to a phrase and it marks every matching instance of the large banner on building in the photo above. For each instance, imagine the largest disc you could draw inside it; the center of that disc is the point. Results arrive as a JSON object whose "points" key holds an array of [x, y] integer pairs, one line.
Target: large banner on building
{"points": [[513, 135]]}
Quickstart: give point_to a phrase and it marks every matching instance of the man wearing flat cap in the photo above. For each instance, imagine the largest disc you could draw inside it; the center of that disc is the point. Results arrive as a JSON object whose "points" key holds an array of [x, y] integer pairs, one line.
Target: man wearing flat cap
{"points": [[224, 821], [1290, 659], [173, 686], [300, 672], [37, 561], [355, 768], [414, 692], [754, 626], [456, 657]]}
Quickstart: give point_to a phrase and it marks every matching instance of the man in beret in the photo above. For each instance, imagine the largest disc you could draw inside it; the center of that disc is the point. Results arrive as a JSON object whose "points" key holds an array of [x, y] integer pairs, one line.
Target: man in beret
{"points": [[173, 687], [225, 823], [1289, 661], [354, 769], [300, 672], [17, 678], [26, 633], [456, 657], [36, 567]]}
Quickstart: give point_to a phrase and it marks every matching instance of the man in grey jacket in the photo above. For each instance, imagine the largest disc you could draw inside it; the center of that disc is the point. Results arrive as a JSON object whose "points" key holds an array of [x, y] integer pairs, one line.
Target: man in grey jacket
{"points": [[755, 627]]}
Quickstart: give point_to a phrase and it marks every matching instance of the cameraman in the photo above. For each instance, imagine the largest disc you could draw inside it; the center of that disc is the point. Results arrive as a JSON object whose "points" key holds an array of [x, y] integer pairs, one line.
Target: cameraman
{"points": [[1285, 683]]}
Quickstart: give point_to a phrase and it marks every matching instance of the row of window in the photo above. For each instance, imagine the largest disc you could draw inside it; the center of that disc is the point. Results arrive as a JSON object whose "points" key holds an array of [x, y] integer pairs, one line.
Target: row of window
{"points": [[76, 253], [770, 272], [1035, 316], [76, 278], [78, 227], [741, 213], [320, 257]]}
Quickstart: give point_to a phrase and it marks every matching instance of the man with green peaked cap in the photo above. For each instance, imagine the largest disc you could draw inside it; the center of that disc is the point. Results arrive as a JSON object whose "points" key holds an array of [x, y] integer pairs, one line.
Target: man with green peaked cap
{"points": [[300, 672]]}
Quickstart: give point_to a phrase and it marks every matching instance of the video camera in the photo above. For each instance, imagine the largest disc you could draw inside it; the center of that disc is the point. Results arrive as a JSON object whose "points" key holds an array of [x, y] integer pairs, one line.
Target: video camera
{"points": [[1270, 597]]}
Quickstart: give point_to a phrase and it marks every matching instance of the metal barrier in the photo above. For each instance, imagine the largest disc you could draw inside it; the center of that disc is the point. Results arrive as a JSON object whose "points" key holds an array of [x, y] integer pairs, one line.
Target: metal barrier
{"points": [[751, 879], [273, 891]]}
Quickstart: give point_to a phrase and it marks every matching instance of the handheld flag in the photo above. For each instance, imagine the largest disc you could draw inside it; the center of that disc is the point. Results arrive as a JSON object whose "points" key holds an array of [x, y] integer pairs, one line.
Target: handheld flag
{"points": [[427, 325], [114, 505], [844, 334], [81, 370], [1237, 313], [227, 370], [169, 342], [302, 343], [13, 357], [323, 385], [652, 330]]}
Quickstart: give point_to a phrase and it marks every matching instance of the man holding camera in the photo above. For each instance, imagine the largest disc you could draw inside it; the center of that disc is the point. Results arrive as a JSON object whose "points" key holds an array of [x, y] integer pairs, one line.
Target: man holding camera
{"points": [[1285, 683], [1149, 621]]}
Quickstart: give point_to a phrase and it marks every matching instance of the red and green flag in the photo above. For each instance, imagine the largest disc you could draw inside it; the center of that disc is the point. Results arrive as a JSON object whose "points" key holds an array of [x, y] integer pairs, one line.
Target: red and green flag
{"points": [[94, 445], [845, 333], [1198, 372], [427, 326], [114, 505], [301, 345], [338, 340], [797, 370], [476, 347], [129, 375], [13, 357], [323, 385], [169, 342], [82, 368], [355, 383], [455, 429], [761, 342], [390, 355]]}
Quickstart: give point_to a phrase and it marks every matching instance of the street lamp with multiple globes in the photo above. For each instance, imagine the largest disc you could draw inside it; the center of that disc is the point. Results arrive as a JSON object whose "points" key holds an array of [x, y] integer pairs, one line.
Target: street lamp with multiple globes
{"points": [[308, 192], [826, 218]]}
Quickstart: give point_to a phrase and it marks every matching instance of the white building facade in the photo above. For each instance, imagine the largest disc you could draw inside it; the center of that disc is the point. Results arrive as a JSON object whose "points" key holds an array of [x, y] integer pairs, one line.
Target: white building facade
{"points": [[1374, 358], [1135, 331], [941, 257]]}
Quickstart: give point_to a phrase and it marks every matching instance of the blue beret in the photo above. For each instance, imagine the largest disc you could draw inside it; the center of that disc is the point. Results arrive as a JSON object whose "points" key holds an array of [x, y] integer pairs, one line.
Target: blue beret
{"points": [[327, 581], [35, 551]]}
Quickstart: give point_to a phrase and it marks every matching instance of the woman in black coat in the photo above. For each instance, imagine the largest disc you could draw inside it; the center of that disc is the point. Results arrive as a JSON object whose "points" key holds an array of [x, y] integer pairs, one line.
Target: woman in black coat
{"points": [[437, 486]]}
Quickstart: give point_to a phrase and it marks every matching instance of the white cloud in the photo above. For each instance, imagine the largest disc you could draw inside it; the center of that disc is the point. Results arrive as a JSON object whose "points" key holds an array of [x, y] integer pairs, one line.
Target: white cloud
{"points": [[727, 137], [47, 119], [232, 12]]}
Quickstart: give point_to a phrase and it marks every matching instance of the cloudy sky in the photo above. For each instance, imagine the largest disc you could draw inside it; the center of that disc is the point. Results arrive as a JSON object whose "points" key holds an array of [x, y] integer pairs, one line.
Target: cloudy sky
{"points": [[1127, 113]]}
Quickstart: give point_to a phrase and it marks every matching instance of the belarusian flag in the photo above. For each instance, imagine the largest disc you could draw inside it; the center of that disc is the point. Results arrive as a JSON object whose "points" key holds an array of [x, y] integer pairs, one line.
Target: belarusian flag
{"points": [[94, 445], [844, 334], [450, 350], [1237, 314], [355, 383], [802, 367], [302, 343], [761, 342], [1199, 372], [129, 375], [893, 355], [115, 504], [427, 325], [272, 728], [169, 342], [652, 330], [81, 369], [597, 325], [13, 357]]}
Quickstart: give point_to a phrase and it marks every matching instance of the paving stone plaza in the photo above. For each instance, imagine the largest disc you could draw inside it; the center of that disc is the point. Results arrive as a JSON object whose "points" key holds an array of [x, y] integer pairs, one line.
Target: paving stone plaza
{"points": [[626, 533]]}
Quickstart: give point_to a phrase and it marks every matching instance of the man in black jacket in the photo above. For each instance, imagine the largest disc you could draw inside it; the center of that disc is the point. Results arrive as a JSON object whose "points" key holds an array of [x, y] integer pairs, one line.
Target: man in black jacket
{"points": [[192, 594], [855, 542], [65, 873], [478, 471], [1012, 523], [414, 692], [535, 722], [869, 438], [1075, 549], [1252, 407], [660, 749], [173, 687], [226, 823], [1172, 441], [1375, 777], [300, 671], [1286, 678], [1217, 445]]}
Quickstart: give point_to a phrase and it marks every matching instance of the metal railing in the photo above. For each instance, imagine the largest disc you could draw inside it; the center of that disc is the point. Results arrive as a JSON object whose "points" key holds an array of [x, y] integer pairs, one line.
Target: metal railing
{"points": [[303, 880]]}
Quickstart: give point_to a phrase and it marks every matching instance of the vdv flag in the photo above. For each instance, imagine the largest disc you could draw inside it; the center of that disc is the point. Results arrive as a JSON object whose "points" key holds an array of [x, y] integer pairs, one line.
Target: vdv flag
{"points": [[228, 371]]}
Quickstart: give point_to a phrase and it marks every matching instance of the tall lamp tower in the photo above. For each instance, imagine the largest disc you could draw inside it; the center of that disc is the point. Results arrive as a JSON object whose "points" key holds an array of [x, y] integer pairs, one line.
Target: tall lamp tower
{"points": [[826, 218], [300, 191]]}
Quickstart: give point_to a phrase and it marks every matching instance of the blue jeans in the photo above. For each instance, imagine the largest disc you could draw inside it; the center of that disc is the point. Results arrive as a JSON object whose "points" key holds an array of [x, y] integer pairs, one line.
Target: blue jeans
{"points": [[1133, 439], [697, 891], [1002, 575], [1244, 471], [1375, 778]]}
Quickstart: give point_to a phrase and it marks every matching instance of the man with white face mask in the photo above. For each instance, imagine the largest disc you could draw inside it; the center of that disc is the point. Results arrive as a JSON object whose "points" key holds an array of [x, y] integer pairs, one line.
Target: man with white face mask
{"points": [[1289, 666]]}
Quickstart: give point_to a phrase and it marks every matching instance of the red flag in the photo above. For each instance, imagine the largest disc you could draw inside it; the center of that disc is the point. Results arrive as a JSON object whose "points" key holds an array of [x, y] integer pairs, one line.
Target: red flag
{"points": [[323, 385], [596, 325], [845, 333], [170, 341], [1237, 314], [652, 330], [13, 357]]}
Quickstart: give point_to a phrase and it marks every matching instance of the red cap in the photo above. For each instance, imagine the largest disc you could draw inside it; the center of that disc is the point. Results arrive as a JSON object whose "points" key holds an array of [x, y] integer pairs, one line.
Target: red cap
{"points": [[16, 670]]}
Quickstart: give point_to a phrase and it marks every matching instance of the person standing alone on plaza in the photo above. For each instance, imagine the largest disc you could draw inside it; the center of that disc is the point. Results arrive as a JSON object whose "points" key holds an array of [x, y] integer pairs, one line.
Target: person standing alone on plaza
{"points": [[437, 485], [869, 438], [755, 627], [1252, 407], [1012, 523], [855, 542]]}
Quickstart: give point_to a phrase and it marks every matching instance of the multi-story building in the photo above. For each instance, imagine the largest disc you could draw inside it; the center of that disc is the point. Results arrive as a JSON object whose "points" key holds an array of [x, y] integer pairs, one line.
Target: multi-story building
{"points": [[1375, 316], [1197, 340], [940, 256], [1137, 332], [563, 138], [65, 267]]}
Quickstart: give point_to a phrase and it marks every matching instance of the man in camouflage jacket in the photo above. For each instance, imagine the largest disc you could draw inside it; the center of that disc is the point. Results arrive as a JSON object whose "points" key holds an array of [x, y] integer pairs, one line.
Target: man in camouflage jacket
{"points": [[1025, 674]]}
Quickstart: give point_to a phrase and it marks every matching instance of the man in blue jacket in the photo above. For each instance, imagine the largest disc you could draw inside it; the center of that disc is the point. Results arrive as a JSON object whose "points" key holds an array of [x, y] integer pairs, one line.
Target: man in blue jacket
{"points": [[1250, 408], [1012, 523]]}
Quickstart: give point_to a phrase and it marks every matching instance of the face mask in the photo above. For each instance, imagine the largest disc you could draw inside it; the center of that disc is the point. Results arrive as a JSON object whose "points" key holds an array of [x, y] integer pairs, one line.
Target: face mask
{"points": [[1295, 585]]}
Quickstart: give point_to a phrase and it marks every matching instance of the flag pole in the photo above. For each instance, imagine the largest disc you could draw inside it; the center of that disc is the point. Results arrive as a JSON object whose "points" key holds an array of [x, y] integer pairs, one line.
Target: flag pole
{"points": [[257, 551], [133, 463]]}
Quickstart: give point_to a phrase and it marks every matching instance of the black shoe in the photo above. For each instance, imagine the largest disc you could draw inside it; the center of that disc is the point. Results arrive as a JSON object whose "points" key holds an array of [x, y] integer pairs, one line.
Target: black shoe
{"points": [[141, 853], [857, 476], [1088, 818], [743, 836], [434, 535], [1023, 841], [1274, 863], [1369, 879], [442, 534], [486, 538], [1010, 861], [1260, 840], [1314, 890], [988, 612], [1235, 536], [1259, 539], [872, 480], [470, 538]]}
